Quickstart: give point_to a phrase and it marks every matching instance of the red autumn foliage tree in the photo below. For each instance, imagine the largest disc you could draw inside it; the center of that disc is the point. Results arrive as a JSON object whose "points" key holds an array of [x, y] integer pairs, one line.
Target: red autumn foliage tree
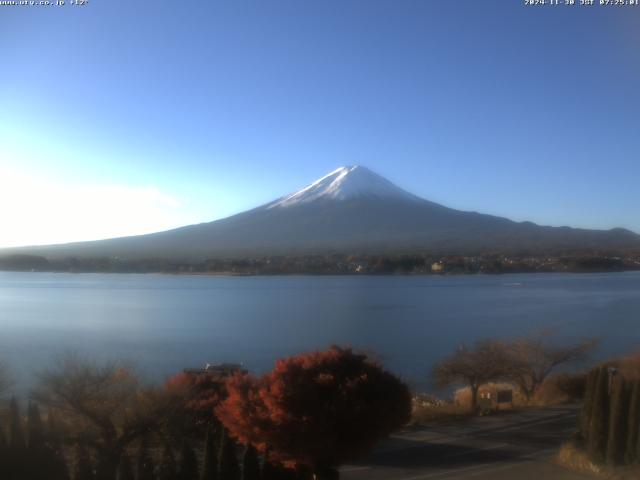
{"points": [[318, 409], [200, 393]]}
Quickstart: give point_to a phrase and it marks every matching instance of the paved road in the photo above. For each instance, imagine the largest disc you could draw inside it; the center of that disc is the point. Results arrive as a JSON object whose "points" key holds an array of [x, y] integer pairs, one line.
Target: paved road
{"points": [[509, 446]]}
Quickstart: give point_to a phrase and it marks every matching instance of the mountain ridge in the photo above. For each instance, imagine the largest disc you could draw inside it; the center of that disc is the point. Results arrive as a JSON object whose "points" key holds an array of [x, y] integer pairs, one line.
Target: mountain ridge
{"points": [[349, 210]]}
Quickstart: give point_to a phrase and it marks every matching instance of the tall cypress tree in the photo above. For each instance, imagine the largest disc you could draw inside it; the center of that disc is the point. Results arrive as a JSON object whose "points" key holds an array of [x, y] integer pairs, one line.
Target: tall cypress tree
{"points": [[228, 459], [617, 437], [188, 468], [250, 464], [587, 405], [210, 460], [598, 427], [16, 434], [144, 462], [125, 470], [633, 424]]}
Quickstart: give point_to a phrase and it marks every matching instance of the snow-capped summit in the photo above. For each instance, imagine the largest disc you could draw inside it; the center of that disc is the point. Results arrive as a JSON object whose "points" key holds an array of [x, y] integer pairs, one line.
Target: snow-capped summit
{"points": [[345, 183]]}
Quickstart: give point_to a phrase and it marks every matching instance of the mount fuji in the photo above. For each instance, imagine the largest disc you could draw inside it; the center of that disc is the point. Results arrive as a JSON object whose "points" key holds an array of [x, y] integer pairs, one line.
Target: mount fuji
{"points": [[350, 210]]}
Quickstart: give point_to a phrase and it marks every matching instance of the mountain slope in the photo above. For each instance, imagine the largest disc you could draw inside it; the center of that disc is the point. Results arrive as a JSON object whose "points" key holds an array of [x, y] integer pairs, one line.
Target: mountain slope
{"points": [[350, 210]]}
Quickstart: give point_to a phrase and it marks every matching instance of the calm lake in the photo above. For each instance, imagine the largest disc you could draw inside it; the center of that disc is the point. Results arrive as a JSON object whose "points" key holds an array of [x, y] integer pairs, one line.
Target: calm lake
{"points": [[166, 323]]}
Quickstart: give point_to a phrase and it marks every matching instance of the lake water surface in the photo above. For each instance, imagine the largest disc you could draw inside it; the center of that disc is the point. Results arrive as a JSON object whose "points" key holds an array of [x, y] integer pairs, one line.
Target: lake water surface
{"points": [[166, 323]]}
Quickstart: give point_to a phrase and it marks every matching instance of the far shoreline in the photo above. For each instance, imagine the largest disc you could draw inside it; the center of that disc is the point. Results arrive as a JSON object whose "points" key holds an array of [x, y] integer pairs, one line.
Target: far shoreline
{"points": [[423, 264], [330, 274]]}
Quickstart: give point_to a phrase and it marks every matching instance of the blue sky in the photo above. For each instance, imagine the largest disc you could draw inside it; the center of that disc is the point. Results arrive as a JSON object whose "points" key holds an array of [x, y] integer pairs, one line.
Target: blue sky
{"points": [[126, 117]]}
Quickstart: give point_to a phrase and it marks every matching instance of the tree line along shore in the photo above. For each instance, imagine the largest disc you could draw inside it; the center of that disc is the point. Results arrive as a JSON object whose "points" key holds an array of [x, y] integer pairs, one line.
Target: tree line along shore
{"points": [[338, 264]]}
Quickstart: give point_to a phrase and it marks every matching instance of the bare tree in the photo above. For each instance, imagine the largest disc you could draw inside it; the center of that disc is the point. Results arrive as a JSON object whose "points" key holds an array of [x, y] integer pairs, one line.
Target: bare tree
{"points": [[104, 407], [488, 361], [533, 358]]}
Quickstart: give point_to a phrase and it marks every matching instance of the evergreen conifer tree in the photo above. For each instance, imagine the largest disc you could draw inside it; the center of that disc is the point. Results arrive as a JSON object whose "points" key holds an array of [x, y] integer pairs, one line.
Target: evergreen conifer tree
{"points": [[633, 424], [598, 427], [250, 464], [125, 469], [229, 467], [188, 468], [210, 460], [617, 436]]}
